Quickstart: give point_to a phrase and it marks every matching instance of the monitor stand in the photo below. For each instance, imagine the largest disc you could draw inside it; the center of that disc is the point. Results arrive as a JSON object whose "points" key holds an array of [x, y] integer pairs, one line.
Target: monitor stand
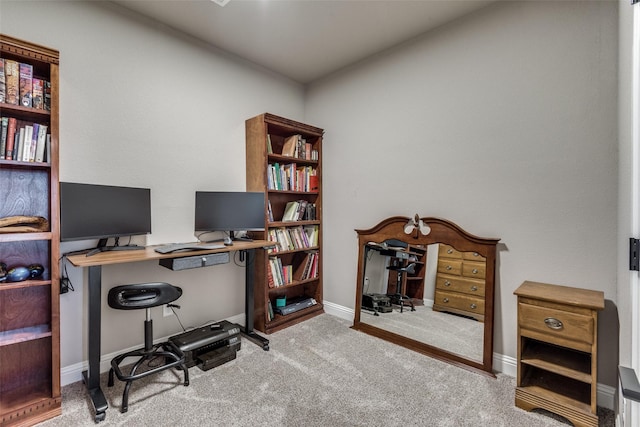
{"points": [[228, 240], [102, 247]]}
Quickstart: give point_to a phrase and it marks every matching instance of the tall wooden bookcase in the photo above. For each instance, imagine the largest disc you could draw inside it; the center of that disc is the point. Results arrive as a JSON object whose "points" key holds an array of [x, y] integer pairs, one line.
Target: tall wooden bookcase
{"points": [[30, 309], [293, 269]]}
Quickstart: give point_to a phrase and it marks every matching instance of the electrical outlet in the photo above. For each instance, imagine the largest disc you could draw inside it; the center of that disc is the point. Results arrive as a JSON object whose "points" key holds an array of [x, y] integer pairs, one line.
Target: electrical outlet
{"points": [[366, 281], [166, 310]]}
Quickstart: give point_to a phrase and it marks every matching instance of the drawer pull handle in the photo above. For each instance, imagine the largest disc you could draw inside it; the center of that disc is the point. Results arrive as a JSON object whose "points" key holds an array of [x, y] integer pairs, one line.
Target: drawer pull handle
{"points": [[447, 283], [474, 288], [476, 254], [473, 306], [445, 300], [474, 271], [553, 323], [449, 251], [449, 267]]}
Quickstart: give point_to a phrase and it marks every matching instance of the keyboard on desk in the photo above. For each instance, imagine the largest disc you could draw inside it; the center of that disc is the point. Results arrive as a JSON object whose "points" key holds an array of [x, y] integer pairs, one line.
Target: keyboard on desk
{"points": [[175, 247]]}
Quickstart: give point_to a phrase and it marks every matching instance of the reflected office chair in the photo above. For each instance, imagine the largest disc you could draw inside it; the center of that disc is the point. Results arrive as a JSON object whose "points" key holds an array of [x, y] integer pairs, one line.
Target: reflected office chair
{"points": [[399, 297], [158, 357]]}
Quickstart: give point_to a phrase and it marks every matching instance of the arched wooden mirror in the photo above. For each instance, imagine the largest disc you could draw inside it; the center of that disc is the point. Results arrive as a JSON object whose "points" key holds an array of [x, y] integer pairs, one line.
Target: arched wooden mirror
{"points": [[428, 285]]}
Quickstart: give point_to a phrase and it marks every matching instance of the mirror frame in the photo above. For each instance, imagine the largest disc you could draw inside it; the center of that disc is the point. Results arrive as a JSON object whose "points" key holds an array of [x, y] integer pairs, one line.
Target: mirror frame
{"points": [[442, 231]]}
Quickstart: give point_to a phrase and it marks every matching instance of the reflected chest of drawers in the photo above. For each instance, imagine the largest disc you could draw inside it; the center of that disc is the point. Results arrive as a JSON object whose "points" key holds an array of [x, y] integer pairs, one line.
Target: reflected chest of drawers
{"points": [[557, 350], [460, 283]]}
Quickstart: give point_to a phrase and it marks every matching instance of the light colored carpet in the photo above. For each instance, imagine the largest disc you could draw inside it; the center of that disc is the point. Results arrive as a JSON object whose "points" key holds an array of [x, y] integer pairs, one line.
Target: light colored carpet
{"points": [[317, 373]]}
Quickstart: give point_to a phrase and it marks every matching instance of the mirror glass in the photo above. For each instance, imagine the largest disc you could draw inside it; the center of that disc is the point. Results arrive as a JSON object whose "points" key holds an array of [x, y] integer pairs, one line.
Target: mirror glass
{"points": [[432, 293]]}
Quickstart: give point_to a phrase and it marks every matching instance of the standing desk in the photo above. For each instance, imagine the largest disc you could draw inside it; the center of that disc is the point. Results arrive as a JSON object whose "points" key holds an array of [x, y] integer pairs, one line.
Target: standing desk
{"points": [[95, 262]]}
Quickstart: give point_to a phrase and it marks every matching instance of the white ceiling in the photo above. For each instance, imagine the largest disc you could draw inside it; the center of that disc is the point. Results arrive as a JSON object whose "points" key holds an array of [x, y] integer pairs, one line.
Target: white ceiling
{"points": [[304, 39]]}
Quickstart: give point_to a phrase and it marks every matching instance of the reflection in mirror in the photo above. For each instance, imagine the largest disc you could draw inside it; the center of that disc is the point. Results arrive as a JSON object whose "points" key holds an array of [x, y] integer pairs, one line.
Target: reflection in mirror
{"points": [[431, 292], [447, 313]]}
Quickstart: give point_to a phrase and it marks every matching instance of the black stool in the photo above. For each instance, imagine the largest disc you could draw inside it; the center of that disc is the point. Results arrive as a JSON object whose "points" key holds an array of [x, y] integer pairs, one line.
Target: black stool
{"points": [[167, 355], [399, 297]]}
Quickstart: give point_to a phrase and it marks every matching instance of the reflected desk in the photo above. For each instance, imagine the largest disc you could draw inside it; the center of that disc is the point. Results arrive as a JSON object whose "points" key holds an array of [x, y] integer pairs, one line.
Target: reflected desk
{"points": [[95, 262]]}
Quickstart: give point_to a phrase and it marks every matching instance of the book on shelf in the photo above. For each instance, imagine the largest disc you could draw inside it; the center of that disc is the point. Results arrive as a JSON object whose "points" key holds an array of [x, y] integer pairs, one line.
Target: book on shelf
{"points": [[290, 211], [312, 234], [270, 279], [41, 143], [19, 148], [37, 101], [269, 146], [12, 81], [3, 136], [47, 95], [47, 150], [25, 148], [305, 268], [26, 84], [270, 314], [12, 126], [3, 83], [31, 156], [269, 211], [290, 145]]}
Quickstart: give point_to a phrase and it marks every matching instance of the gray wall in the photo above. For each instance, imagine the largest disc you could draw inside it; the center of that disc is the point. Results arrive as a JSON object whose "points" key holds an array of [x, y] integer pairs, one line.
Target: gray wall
{"points": [[142, 105], [503, 122]]}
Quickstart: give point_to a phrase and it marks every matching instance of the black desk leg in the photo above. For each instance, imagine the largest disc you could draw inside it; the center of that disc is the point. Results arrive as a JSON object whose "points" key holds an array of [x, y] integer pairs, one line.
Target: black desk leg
{"points": [[248, 302], [92, 376]]}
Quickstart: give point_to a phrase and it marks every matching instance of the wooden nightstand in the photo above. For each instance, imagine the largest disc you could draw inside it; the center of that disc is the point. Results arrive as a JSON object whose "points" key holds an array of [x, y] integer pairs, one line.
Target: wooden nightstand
{"points": [[557, 350]]}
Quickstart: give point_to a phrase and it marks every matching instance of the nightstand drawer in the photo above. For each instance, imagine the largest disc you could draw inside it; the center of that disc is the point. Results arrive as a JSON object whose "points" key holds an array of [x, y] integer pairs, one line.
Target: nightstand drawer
{"points": [[459, 301], [450, 266], [557, 324], [460, 284]]}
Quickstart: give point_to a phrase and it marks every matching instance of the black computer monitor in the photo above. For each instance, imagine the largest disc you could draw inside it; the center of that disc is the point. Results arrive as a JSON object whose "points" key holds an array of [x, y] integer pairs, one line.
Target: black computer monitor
{"points": [[90, 211], [229, 211]]}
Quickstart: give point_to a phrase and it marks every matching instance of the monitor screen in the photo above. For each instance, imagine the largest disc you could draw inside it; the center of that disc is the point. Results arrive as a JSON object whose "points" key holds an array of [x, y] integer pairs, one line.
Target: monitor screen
{"points": [[89, 211], [229, 211]]}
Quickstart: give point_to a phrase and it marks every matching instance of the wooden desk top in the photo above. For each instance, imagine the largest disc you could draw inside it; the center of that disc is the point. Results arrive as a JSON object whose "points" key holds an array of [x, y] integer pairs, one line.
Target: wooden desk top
{"points": [[148, 254]]}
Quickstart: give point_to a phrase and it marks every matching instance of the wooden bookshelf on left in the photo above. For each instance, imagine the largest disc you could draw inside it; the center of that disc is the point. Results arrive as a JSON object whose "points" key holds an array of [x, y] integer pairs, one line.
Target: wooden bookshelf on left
{"points": [[30, 308]]}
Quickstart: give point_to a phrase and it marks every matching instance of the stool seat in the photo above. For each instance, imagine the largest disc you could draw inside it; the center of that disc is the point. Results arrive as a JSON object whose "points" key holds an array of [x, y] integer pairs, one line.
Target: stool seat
{"points": [[165, 355]]}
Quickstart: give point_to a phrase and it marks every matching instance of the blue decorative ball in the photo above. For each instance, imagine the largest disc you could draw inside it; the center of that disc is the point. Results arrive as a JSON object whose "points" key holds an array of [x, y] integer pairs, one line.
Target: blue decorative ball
{"points": [[18, 274]]}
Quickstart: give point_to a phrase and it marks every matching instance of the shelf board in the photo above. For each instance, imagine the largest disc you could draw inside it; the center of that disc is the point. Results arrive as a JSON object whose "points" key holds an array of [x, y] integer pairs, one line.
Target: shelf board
{"points": [[565, 362], [24, 334], [278, 224], [30, 235], [280, 320], [288, 159], [23, 284], [558, 388], [294, 284], [312, 248], [30, 165]]}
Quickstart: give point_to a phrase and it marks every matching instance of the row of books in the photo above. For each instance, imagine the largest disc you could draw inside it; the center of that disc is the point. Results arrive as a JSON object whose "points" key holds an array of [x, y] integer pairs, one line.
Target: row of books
{"points": [[293, 238], [281, 275], [295, 146], [299, 210], [291, 177], [18, 86], [24, 141]]}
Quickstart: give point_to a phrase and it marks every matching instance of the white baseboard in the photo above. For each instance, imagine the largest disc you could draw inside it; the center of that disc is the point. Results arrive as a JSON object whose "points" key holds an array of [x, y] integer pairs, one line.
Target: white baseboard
{"points": [[502, 364]]}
